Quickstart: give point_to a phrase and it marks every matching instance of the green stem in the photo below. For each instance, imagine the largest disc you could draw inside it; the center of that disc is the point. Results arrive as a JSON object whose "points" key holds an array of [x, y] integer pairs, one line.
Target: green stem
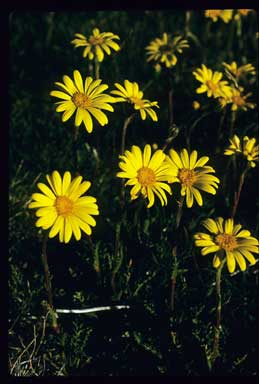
{"points": [[48, 283], [179, 212], [75, 147], [187, 23], [124, 131], [238, 193], [215, 352], [222, 118], [117, 257], [231, 30], [232, 123], [174, 254], [170, 107], [97, 68]]}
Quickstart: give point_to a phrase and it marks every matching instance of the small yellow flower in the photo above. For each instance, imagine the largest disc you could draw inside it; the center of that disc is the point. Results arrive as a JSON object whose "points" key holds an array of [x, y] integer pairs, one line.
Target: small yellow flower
{"points": [[248, 148], [211, 82], [196, 105], [163, 50], [146, 173], [97, 44], [223, 14], [132, 94], [63, 208], [192, 174], [239, 71], [242, 12], [237, 99], [85, 98], [227, 239]]}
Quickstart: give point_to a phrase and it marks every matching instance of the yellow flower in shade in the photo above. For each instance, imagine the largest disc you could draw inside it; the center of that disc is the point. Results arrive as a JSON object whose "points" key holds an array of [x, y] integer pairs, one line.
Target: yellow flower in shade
{"points": [[223, 14], [146, 174], [85, 98], [192, 174], [239, 71], [247, 148], [237, 99], [227, 239], [97, 44], [132, 94], [62, 207], [211, 82], [242, 12], [163, 50]]}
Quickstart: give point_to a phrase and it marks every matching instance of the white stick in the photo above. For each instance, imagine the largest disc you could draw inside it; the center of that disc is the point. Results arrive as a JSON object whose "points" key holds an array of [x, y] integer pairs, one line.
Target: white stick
{"points": [[94, 309]]}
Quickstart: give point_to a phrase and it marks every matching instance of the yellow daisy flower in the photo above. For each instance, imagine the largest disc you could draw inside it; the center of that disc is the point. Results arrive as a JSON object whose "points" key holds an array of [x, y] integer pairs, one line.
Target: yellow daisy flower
{"points": [[242, 12], [132, 94], [85, 98], [248, 148], [223, 14], [239, 71], [227, 239], [237, 99], [62, 207], [211, 82], [146, 174], [192, 174], [97, 44], [163, 50]]}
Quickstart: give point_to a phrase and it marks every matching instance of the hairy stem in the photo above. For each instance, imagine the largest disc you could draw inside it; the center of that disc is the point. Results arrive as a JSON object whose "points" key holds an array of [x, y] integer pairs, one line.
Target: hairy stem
{"points": [[174, 253], [124, 131], [75, 147], [238, 193], [215, 352], [44, 259], [97, 68]]}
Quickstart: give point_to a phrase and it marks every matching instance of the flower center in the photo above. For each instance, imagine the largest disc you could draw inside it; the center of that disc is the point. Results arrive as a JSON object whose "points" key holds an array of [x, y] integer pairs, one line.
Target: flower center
{"points": [[226, 241], [187, 176], [238, 100], [137, 101], [64, 205], [95, 40], [212, 85], [81, 100], [146, 176]]}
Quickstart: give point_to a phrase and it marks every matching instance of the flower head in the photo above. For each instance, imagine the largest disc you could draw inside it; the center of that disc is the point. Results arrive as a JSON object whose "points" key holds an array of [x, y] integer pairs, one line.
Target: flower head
{"points": [[146, 173], [62, 207], [223, 14], [237, 99], [192, 174], [85, 98], [211, 82], [248, 148], [97, 44], [132, 94], [239, 71], [227, 239], [163, 50], [242, 12]]}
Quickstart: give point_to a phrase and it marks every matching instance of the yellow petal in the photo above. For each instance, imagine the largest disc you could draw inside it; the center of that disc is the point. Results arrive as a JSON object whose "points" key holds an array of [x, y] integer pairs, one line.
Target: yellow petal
{"points": [[78, 81], [231, 262], [66, 182]]}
